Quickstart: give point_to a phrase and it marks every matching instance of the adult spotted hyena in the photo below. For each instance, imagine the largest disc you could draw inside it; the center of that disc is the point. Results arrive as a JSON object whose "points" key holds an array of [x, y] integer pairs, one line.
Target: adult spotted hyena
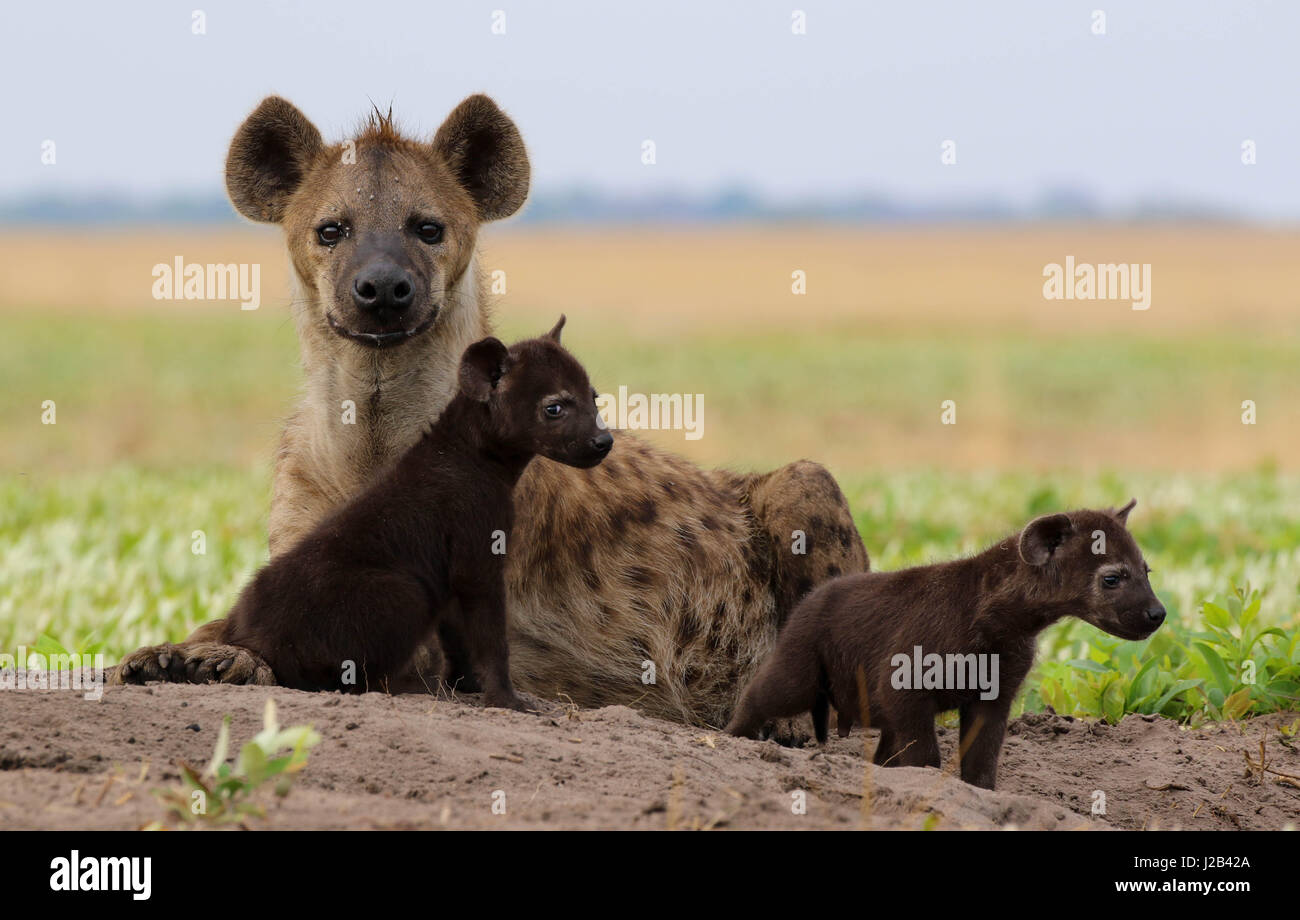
{"points": [[645, 581]]}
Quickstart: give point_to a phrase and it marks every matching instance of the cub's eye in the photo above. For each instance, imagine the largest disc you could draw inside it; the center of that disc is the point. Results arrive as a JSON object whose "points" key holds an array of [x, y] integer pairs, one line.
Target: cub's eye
{"points": [[554, 410], [1111, 580], [329, 234], [429, 231]]}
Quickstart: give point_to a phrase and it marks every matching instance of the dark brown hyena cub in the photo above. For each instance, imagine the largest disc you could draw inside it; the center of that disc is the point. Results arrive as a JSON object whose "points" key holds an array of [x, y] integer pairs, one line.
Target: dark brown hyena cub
{"points": [[957, 635], [422, 549]]}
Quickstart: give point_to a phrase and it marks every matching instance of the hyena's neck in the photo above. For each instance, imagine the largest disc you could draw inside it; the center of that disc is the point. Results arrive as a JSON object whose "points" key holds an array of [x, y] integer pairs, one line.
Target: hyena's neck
{"points": [[368, 406], [1013, 602]]}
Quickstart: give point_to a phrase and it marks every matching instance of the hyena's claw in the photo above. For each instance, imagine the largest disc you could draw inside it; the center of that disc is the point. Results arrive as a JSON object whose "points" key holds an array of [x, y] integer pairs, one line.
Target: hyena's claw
{"points": [[226, 664], [152, 663]]}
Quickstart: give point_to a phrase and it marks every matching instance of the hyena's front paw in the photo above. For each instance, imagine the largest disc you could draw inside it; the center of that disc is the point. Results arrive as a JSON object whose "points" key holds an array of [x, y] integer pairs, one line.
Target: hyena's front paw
{"points": [[164, 662], [211, 662], [793, 733]]}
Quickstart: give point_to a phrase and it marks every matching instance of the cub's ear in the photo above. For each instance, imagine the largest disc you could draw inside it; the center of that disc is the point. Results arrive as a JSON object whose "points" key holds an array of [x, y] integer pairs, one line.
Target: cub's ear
{"points": [[483, 148], [482, 367], [268, 159], [554, 334], [1043, 536], [1122, 514]]}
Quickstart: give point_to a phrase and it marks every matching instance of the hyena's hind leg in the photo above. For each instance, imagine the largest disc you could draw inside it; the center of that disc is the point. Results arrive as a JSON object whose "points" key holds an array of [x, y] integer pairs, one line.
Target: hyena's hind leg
{"points": [[811, 536]]}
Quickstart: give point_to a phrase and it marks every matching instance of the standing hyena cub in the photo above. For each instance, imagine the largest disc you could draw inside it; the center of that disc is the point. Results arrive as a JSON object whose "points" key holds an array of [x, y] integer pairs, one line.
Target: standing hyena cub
{"points": [[422, 550], [966, 629]]}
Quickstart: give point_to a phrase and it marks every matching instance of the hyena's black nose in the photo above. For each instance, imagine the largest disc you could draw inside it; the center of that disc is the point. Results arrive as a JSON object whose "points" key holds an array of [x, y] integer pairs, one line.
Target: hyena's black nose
{"points": [[1155, 615], [602, 443], [383, 286]]}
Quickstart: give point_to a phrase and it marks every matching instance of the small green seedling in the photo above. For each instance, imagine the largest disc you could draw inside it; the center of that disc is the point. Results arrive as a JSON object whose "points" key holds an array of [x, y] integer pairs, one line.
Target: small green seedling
{"points": [[228, 794]]}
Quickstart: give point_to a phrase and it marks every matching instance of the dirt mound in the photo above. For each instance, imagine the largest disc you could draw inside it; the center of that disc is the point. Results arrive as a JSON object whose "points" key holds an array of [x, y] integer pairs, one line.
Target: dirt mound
{"points": [[421, 762]]}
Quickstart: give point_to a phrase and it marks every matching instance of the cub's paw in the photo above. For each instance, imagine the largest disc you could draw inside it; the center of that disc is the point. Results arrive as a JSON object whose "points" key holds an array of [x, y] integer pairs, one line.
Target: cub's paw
{"points": [[511, 701], [164, 662], [535, 704], [210, 662], [460, 683]]}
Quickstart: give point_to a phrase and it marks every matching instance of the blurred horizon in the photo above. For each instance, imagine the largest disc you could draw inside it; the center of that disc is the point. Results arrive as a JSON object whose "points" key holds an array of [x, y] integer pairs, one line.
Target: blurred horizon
{"points": [[582, 205], [930, 110]]}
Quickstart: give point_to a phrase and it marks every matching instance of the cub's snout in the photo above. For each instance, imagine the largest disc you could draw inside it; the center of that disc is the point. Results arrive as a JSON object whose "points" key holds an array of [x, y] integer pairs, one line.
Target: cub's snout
{"points": [[596, 449]]}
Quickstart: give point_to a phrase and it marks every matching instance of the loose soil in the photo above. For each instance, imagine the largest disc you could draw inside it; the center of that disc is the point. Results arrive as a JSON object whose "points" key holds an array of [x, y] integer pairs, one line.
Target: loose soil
{"points": [[422, 762]]}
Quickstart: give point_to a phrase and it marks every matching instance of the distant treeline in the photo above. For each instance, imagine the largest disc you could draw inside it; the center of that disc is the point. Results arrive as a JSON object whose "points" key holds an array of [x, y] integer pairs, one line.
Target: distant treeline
{"points": [[582, 206]]}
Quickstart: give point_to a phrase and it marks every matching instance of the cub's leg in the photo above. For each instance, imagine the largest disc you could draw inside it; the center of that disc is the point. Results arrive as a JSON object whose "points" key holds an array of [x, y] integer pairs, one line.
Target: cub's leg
{"points": [[983, 727], [909, 739], [483, 635], [886, 748], [786, 685], [821, 713], [457, 665]]}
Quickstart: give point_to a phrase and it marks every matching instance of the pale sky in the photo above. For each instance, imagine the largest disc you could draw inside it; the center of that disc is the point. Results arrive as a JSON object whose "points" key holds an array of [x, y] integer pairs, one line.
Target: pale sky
{"points": [[1157, 108]]}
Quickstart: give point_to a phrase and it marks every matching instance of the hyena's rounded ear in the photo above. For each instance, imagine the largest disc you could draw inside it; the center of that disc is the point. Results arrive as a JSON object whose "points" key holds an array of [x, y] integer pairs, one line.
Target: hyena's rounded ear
{"points": [[1122, 514], [482, 367], [482, 146], [268, 158], [1043, 536], [554, 334]]}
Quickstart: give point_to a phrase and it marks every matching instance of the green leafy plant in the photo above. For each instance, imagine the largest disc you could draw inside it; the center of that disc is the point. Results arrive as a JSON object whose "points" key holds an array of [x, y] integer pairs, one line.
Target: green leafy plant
{"points": [[229, 793], [55, 654], [1230, 669], [1250, 673]]}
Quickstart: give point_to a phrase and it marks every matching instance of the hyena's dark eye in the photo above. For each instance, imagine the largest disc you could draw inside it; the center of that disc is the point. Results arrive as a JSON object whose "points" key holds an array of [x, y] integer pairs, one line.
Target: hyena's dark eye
{"points": [[1111, 580], [329, 234], [429, 231]]}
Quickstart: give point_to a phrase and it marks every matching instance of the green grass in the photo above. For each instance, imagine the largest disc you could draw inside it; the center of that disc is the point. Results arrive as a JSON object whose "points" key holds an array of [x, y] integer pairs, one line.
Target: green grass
{"points": [[203, 389], [107, 558]]}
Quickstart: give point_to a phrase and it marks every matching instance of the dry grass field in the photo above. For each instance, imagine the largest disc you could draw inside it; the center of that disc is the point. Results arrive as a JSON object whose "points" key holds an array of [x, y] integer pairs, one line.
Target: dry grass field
{"points": [[854, 371]]}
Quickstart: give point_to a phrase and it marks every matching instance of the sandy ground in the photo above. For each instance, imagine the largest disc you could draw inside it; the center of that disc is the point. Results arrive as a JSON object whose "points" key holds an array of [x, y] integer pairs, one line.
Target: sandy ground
{"points": [[420, 762]]}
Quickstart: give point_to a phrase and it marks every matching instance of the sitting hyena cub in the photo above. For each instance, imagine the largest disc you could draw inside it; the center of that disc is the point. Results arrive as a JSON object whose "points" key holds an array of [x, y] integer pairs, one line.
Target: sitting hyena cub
{"points": [[897, 648], [422, 549]]}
